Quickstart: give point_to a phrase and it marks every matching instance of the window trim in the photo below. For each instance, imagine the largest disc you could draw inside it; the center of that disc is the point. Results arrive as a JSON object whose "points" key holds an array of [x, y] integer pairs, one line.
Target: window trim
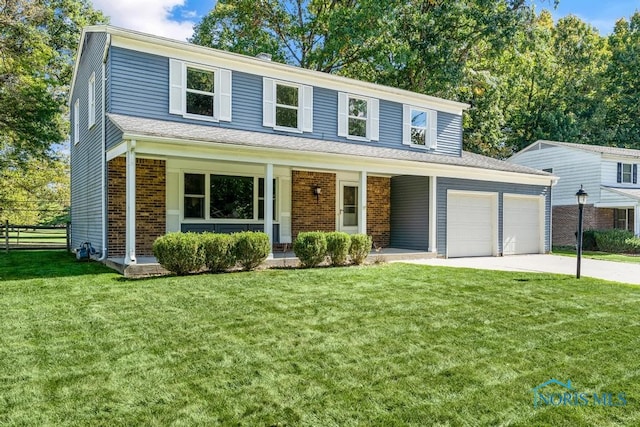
{"points": [[366, 118], [76, 121], [628, 173], [91, 100], [431, 127], [269, 105], [207, 198], [372, 120], [298, 127], [185, 90]]}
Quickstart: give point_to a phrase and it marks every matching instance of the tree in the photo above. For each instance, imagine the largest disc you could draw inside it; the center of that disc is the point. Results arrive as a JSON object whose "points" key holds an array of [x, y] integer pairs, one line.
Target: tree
{"points": [[37, 41]]}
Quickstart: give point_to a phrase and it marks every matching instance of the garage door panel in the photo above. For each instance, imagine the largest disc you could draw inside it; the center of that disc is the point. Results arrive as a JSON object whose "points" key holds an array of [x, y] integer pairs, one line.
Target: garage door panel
{"points": [[471, 224], [523, 226]]}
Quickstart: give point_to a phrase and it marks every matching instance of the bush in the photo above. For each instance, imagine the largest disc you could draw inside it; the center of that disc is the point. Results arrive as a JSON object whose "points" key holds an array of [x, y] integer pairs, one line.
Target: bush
{"points": [[589, 240], [218, 251], [251, 248], [180, 253], [617, 241], [338, 244], [311, 248], [360, 247]]}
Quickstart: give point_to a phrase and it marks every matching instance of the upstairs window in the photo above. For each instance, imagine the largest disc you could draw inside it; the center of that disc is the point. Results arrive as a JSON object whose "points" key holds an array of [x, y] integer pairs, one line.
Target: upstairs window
{"points": [[199, 92], [91, 102], [627, 173], [358, 117], [420, 127], [76, 121], [287, 106]]}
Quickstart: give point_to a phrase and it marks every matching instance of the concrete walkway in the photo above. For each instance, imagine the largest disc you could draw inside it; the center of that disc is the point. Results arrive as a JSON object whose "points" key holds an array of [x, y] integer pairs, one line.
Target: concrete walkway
{"points": [[607, 270]]}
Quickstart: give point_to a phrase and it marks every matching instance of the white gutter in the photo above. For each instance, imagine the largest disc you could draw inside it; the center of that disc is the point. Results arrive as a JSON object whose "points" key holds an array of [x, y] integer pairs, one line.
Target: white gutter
{"points": [[103, 139]]}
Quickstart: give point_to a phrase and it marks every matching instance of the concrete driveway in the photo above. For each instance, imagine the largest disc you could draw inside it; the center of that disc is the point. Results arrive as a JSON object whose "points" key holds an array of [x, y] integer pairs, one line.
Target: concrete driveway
{"points": [[607, 270]]}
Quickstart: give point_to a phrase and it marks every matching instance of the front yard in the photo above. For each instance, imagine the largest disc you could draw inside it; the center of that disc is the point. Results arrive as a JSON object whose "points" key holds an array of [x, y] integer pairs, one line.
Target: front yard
{"points": [[384, 345]]}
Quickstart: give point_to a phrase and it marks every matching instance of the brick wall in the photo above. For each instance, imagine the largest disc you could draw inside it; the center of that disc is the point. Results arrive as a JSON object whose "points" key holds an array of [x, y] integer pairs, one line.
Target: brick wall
{"points": [[379, 210], [150, 204], [565, 222], [307, 212]]}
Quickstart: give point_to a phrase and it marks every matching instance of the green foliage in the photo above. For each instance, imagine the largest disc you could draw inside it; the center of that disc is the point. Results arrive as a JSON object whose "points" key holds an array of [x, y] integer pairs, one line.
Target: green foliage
{"points": [[360, 247], [311, 248], [589, 240], [617, 241], [338, 244], [180, 253], [218, 251], [251, 248]]}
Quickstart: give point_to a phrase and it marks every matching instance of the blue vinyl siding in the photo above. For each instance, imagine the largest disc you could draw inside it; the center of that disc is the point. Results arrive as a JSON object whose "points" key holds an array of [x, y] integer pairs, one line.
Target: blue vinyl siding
{"points": [[444, 184], [140, 87], [410, 212], [86, 156]]}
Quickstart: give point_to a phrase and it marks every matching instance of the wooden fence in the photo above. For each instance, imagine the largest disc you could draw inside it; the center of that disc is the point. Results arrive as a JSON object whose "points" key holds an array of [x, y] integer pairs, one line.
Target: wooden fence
{"points": [[35, 236]]}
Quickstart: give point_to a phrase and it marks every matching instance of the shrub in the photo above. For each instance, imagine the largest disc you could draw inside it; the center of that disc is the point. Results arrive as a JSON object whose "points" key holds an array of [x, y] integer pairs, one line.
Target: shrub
{"points": [[311, 248], [589, 240], [338, 244], [251, 248], [617, 241], [360, 247], [218, 251], [180, 253]]}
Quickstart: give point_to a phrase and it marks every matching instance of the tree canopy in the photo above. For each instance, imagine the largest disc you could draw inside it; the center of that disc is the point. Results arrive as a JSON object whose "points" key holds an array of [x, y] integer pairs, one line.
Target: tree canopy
{"points": [[524, 76]]}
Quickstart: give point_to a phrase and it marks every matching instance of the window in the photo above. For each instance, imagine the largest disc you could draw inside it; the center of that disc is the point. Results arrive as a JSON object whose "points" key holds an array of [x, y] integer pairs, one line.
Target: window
{"points": [[287, 106], [212, 196], [420, 127], [91, 94], [621, 218], [199, 92], [76, 121], [627, 173], [358, 117], [193, 195]]}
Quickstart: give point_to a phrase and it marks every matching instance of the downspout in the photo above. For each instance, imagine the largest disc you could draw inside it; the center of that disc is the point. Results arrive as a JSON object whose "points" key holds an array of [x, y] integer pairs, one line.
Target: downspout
{"points": [[103, 202]]}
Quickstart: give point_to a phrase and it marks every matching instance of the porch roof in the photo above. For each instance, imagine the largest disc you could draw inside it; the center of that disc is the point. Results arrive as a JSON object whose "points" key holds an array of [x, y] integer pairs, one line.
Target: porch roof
{"points": [[138, 127]]}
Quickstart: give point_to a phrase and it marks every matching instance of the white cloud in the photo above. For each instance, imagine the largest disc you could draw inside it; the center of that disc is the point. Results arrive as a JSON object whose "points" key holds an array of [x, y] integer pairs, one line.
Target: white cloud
{"points": [[147, 16]]}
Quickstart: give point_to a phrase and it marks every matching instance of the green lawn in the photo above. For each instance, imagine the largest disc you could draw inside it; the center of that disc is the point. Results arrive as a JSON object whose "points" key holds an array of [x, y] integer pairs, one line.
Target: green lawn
{"points": [[604, 256], [384, 345]]}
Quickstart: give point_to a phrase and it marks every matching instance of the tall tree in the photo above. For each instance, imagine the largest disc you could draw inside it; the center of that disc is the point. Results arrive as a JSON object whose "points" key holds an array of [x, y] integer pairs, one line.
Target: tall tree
{"points": [[37, 41], [623, 78]]}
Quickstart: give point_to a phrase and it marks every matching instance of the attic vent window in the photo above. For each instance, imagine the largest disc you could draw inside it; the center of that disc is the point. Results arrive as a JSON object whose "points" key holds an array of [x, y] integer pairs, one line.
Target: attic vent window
{"points": [[264, 56]]}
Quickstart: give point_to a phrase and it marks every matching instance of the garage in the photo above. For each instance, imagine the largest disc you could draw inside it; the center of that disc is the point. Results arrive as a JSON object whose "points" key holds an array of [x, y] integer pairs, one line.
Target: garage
{"points": [[523, 221], [472, 223]]}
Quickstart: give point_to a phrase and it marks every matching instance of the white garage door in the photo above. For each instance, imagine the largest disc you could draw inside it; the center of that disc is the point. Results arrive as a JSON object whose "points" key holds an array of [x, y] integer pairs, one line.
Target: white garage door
{"points": [[471, 224], [523, 225]]}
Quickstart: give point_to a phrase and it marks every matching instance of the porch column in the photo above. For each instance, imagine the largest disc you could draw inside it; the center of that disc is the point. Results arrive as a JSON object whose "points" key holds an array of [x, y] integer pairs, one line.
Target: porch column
{"points": [[362, 203], [636, 219], [130, 238], [268, 205], [433, 223]]}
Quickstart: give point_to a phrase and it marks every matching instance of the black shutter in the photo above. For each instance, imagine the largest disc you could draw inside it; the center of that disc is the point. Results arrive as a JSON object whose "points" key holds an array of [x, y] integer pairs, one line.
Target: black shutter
{"points": [[619, 172], [635, 173]]}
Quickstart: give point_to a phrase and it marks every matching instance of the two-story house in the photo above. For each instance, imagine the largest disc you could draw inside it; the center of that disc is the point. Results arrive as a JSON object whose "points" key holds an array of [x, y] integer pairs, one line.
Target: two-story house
{"points": [[169, 136], [609, 175]]}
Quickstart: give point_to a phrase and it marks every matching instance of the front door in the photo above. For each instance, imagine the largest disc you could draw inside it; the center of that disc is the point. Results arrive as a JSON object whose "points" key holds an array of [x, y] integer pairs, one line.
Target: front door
{"points": [[348, 215]]}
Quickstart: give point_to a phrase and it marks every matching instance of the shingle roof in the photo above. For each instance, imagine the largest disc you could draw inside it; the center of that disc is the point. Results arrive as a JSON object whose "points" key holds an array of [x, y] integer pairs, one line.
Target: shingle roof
{"points": [[139, 126], [615, 151], [634, 193]]}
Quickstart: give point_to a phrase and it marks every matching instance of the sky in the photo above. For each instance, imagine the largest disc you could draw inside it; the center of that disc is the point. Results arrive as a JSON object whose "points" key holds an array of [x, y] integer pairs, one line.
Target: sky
{"points": [[176, 18]]}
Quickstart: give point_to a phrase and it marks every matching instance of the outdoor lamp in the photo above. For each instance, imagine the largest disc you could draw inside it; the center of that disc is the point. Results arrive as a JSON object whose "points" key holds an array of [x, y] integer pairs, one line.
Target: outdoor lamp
{"points": [[581, 195], [317, 191]]}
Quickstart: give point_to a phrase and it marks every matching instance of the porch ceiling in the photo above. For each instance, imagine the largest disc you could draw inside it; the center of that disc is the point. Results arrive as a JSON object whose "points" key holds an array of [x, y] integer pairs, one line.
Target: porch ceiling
{"points": [[139, 128]]}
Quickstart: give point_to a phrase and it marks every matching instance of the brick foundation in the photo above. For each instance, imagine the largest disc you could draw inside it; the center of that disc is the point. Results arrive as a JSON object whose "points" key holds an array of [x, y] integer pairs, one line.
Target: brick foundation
{"points": [[565, 222], [379, 210], [307, 212], [150, 205]]}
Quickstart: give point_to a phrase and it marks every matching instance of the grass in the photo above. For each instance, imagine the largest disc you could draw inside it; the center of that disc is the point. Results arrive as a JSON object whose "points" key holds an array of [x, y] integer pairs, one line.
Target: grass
{"points": [[384, 345], [604, 256]]}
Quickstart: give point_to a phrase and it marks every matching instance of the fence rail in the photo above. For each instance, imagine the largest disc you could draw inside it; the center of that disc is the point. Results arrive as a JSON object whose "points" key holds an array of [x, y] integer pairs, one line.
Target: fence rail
{"points": [[35, 237]]}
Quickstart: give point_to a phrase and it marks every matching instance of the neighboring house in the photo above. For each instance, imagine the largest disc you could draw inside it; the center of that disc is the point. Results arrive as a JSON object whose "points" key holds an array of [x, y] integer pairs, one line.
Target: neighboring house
{"points": [[170, 136], [609, 175]]}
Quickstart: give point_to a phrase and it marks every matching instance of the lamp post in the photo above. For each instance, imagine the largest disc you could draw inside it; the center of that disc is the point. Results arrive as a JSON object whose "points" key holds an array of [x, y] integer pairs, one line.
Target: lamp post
{"points": [[581, 195]]}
